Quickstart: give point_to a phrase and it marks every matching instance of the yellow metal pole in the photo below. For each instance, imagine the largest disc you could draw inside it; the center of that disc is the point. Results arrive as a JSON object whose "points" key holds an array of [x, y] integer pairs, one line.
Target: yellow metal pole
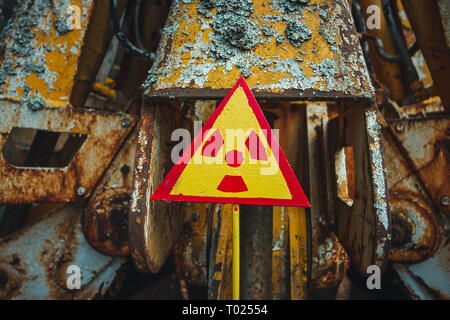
{"points": [[236, 252]]}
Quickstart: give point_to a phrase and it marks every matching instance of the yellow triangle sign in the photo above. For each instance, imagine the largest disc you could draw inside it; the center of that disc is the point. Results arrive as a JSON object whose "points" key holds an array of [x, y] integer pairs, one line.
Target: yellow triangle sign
{"points": [[235, 158]]}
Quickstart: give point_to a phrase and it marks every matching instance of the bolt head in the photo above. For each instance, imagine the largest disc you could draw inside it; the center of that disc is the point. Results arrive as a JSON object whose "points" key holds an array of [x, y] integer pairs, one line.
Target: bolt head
{"points": [[400, 127], [125, 122], [445, 200]]}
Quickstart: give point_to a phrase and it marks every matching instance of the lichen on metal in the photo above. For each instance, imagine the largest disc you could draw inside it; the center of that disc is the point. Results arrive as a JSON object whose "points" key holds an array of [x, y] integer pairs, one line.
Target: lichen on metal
{"points": [[286, 49], [378, 169], [41, 52]]}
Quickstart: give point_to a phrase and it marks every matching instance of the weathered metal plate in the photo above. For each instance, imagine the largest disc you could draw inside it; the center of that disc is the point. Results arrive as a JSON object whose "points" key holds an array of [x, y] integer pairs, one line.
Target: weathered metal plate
{"points": [[429, 279], [105, 133], [34, 261], [154, 226], [418, 170], [364, 227], [304, 50], [425, 143]]}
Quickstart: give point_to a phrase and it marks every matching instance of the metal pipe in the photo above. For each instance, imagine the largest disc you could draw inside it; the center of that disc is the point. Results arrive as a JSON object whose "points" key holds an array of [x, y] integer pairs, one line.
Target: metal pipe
{"points": [[363, 36], [236, 253]]}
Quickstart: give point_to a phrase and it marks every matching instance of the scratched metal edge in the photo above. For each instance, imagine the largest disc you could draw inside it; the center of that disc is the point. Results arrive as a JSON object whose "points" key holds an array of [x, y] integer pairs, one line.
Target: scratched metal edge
{"points": [[137, 220], [380, 190], [289, 94]]}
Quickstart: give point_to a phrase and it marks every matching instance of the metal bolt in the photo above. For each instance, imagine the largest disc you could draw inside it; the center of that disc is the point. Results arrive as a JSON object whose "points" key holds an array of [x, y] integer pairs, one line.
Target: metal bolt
{"points": [[445, 201], [402, 230], [400, 127], [81, 191], [125, 122]]}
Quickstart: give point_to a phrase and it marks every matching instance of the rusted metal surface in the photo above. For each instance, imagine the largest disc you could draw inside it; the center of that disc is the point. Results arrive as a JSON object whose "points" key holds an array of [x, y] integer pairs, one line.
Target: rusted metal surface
{"points": [[417, 164], [444, 10], [39, 61], [219, 271], [280, 254], [292, 226], [105, 221], [416, 231], [420, 110], [104, 131], [390, 74], [205, 46], [300, 266], [34, 260], [416, 154], [256, 252], [297, 223], [330, 262], [365, 227], [154, 226], [425, 144], [426, 23], [191, 252]]}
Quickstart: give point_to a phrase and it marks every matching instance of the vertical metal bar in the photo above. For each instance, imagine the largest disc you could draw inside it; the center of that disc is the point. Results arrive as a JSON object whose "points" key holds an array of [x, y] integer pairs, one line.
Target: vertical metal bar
{"points": [[256, 248]]}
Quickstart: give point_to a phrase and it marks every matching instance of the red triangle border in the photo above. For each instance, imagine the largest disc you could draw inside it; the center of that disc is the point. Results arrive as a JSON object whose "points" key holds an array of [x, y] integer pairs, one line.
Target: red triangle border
{"points": [[298, 196]]}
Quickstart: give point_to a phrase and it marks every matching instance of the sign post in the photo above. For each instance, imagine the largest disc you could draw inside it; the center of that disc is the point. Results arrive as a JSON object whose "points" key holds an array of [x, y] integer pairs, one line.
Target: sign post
{"points": [[236, 252], [236, 158]]}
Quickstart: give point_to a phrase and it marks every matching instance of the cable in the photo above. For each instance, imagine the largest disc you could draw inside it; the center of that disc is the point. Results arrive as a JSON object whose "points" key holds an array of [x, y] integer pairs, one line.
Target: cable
{"points": [[119, 31], [137, 29], [403, 51], [379, 47]]}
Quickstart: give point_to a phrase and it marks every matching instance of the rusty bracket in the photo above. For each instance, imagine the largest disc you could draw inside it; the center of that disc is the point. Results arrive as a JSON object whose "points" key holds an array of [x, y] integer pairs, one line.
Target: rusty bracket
{"points": [[363, 226], [105, 133], [154, 226]]}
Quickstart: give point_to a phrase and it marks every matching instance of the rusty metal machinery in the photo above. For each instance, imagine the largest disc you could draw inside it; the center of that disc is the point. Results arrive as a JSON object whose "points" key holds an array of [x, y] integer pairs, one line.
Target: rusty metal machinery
{"points": [[91, 92]]}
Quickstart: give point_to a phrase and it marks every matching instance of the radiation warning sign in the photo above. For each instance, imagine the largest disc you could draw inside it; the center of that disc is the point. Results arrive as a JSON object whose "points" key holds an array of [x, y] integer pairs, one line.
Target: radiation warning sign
{"points": [[235, 158]]}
